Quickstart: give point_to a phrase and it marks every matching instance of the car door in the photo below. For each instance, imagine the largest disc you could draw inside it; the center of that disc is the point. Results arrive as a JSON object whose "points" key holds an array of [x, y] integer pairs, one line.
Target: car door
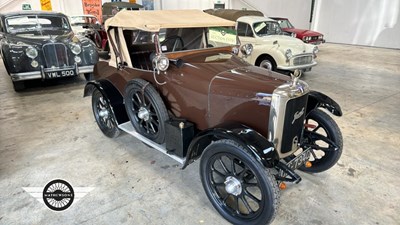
{"points": [[245, 33]]}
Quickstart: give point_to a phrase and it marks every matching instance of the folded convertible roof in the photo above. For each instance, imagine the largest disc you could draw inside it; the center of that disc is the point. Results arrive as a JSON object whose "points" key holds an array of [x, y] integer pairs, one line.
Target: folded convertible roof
{"points": [[154, 20]]}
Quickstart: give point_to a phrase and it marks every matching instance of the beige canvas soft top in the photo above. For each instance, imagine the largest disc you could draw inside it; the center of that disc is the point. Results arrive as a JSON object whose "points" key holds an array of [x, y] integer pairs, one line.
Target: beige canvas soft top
{"points": [[154, 20]]}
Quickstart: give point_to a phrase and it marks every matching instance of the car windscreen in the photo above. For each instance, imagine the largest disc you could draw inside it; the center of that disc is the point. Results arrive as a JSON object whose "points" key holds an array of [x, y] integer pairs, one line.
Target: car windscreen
{"points": [[267, 28], [180, 39], [37, 25], [285, 24]]}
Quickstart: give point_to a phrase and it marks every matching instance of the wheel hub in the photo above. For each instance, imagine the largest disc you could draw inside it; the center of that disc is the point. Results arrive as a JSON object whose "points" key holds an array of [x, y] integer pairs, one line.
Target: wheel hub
{"points": [[143, 114], [266, 64], [103, 113], [233, 186]]}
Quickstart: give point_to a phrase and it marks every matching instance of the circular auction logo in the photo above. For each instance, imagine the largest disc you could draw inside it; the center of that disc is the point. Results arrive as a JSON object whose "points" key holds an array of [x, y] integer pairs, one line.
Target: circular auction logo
{"points": [[58, 195]]}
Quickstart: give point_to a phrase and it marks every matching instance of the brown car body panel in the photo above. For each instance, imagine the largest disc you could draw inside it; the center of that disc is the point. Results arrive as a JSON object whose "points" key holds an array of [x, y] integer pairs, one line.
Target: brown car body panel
{"points": [[206, 93]]}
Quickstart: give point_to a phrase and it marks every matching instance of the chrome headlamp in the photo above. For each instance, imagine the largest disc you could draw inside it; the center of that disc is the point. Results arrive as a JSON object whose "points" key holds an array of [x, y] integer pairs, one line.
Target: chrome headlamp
{"points": [[235, 50], [161, 62], [75, 48], [247, 49], [31, 52], [315, 51], [288, 54]]}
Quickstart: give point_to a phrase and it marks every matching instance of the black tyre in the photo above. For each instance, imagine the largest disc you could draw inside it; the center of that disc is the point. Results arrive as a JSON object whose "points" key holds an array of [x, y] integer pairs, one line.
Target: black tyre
{"points": [[323, 134], [88, 76], [104, 115], [19, 85], [239, 187], [146, 110], [266, 62]]}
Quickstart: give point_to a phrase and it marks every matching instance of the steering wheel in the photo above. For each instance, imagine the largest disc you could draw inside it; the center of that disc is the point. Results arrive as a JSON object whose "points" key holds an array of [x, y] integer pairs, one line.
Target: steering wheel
{"points": [[177, 43]]}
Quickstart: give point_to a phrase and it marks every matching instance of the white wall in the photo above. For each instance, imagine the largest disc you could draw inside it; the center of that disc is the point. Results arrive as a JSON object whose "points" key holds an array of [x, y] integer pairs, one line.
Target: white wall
{"points": [[298, 11], [185, 4], [359, 22]]}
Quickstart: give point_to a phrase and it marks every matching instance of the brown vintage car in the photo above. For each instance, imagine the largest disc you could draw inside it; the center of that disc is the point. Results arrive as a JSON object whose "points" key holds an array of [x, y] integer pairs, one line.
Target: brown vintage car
{"points": [[175, 82]]}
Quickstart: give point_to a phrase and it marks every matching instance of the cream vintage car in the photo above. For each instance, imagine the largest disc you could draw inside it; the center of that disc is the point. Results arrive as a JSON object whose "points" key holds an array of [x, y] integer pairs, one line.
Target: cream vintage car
{"points": [[272, 50]]}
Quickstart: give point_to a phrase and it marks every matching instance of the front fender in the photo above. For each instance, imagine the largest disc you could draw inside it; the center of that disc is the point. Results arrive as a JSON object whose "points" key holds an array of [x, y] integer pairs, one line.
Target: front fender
{"points": [[254, 142], [112, 95], [317, 99], [90, 56]]}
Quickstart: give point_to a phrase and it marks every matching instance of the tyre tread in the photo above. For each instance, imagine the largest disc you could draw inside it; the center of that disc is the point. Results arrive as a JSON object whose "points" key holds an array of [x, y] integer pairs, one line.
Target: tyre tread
{"points": [[338, 135], [270, 178]]}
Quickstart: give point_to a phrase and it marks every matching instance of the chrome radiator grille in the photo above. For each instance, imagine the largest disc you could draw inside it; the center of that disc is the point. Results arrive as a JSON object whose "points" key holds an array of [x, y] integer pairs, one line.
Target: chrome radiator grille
{"points": [[286, 118], [56, 55], [302, 60]]}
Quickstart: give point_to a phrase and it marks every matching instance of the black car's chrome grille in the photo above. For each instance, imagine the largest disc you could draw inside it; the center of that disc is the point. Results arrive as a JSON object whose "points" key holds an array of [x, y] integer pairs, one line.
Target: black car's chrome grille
{"points": [[302, 60], [56, 55]]}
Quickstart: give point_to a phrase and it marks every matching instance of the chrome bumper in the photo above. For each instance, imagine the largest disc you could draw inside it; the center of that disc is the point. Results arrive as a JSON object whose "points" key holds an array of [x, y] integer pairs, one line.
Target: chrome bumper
{"points": [[40, 74], [300, 67]]}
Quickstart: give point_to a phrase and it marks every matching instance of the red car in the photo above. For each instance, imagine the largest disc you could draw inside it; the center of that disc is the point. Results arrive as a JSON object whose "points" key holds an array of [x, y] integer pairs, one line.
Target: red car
{"points": [[308, 36]]}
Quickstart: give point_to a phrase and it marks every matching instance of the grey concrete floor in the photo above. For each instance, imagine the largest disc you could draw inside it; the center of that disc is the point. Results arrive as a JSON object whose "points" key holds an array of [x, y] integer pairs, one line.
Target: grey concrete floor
{"points": [[48, 132]]}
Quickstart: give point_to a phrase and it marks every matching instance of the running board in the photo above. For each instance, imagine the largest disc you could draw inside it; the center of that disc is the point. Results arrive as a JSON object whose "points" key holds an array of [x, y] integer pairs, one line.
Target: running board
{"points": [[128, 128]]}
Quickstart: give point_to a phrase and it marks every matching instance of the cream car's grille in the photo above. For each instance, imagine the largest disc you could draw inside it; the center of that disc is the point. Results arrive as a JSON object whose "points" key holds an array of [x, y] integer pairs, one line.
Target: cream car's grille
{"points": [[302, 60]]}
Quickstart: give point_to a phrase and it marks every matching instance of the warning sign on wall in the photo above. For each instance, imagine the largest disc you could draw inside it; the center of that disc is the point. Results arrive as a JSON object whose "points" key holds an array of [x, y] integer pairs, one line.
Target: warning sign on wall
{"points": [[46, 5]]}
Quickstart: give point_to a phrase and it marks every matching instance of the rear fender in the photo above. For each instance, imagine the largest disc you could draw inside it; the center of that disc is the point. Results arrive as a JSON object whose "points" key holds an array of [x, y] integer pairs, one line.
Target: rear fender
{"points": [[112, 96], [317, 99], [255, 143]]}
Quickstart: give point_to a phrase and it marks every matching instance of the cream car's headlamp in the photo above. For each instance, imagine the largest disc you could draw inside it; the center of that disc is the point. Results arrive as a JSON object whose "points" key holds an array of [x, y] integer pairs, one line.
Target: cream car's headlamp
{"points": [[288, 54], [315, 51], [247, 49]]}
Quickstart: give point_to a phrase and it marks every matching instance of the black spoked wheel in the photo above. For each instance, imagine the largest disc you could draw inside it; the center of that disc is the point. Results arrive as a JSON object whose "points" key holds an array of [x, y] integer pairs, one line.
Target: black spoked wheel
{"points": [[104, 115], [146, 110], [238, 186], [324, 136]]}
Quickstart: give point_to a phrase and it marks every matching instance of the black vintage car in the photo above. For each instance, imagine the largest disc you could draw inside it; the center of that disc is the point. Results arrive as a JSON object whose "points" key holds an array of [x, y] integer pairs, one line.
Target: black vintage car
{"points": [[41, 45]]}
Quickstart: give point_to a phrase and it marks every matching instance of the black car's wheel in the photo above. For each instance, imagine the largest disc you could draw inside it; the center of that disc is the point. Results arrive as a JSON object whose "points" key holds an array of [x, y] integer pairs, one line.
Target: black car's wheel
{"points": [[146, 110], [323, 134], [104, 115], [19, 85], [240, 188], [266, 62], [88, 76]]}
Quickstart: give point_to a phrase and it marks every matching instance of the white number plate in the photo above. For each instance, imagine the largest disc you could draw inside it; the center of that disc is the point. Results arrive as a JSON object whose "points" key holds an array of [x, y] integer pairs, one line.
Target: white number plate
{"points": [[61, 73], [299, 160]]}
